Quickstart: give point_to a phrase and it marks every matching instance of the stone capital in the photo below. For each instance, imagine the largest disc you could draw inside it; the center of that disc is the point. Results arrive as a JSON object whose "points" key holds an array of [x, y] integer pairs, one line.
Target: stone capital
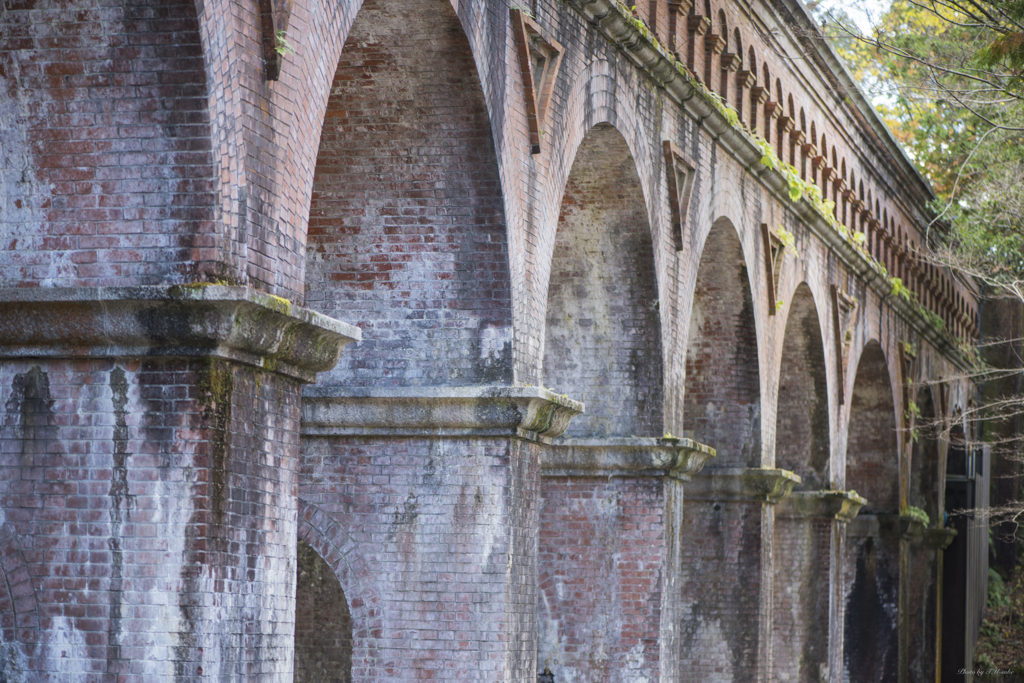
{"points": [[633, 456], [745, 78], [698, 25], [742, 484], [785, 124], [759, 95], [714, 43], [730, 61], [839, 505], [532, 413], [234, 323]]}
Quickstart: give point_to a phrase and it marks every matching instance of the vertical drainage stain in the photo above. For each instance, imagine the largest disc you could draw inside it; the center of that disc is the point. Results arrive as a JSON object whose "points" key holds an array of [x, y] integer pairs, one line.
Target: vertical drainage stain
{"points": [[120, 504]]}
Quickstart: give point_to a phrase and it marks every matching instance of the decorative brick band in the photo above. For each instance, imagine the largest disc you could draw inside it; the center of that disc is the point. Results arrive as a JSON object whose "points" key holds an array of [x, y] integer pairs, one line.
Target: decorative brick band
{"points": [[233, 323], [526, 412], [902, 526], [647, 457], [743, 484], [840, 505]]}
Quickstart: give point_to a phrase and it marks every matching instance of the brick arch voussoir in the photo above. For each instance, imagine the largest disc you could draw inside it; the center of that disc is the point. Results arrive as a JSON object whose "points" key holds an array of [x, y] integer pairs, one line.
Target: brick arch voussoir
{"points": [[364, 595], [19, 612]]}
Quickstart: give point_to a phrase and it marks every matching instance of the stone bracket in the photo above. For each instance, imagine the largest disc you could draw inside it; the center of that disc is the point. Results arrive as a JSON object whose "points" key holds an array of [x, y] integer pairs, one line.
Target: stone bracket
{"points": [[539, 61], [843, 308], [234, 323], [633, 456], [742, 484], [938, 539], [471, 411], [888, 526], [839, 505]]}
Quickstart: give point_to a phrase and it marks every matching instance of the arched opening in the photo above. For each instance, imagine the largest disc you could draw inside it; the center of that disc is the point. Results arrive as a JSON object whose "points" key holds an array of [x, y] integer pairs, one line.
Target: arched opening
{"points": [[801, 543], [802, 416], [603, 329], [871, 565], [323, 625], [722, 402], [406, 232]]}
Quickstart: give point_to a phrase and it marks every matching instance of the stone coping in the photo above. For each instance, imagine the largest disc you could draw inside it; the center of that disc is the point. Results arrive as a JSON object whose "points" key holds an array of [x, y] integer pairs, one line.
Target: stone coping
{"points": [[532, 413], [233, 323], [625, 456], [838, 505], [742, 484], [901, 526]]}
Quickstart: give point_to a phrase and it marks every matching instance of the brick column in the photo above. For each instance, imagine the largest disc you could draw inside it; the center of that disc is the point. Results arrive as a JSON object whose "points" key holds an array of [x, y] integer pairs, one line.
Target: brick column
{"points": [[725, 613], [713, 46], [696, 27], [772, 112], [807, 629], [758, 97], [784, 126], [796, 141], [745, 80], [149, 459], [436, 491], [677, 11], [729, 62], [610, 542]]}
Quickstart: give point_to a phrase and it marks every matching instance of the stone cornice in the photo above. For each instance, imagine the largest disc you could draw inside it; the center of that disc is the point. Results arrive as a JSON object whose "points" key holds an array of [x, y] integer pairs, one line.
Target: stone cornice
{"points": [[938, 539], [470, 411], [233, 323], [645, 457], [742, 484], [840, 505], [639, 48]]}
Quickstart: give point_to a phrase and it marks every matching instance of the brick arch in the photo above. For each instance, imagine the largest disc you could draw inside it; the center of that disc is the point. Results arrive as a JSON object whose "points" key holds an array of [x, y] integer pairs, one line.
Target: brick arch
{"points": [[19, 612], [924, 455], [108, 170], [413, 250], [365, 599], [872, 442], [803, 407], [603, 341], [722, 395]]}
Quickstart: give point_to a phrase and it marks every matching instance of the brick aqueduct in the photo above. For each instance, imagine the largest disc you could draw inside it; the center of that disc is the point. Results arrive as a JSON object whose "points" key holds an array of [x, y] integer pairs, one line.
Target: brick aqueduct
{"points": [[515, 211]]}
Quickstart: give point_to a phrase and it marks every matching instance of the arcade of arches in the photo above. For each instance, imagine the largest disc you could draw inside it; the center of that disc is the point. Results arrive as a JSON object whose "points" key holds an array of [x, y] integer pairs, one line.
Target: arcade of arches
{"points": [[400, 340]]}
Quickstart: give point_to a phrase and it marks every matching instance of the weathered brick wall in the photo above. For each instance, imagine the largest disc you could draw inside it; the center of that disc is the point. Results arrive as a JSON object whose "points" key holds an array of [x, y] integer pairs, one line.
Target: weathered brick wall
{"points": [[873, 466], [407, 236], [152, 503], [800, 615], [107, 176], [603, 331], [446, 528], [721, 584], [600, 554]]}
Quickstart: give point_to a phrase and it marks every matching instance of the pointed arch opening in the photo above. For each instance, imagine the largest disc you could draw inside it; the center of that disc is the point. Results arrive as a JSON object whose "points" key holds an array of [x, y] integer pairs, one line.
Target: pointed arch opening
{"points": [[871, 562], [406, 233], [323, 624], [722, 401], [802, 438], [603, 327]]}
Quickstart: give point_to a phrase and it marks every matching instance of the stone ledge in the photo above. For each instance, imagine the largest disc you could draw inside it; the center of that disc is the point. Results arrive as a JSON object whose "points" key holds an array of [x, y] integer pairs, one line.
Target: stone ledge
{"points": [[471, 411], [938, 539], [742, 484], [839, 505], [635, 456], [234, 323], [887, 526]]}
